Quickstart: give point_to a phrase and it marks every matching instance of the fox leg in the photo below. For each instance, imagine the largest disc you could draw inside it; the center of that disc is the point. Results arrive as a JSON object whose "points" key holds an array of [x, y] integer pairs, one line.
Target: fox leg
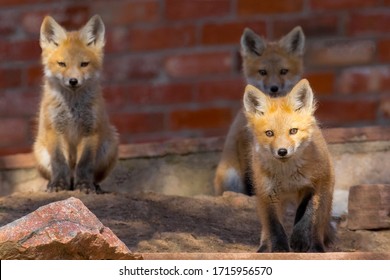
{"points": [[312, 222], [106, 158], [273, 235], [52, 163]]}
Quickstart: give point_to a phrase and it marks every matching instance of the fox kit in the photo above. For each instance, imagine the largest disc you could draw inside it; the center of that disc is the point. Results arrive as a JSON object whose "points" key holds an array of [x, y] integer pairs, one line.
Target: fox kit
{"points": [[290, 160], [274, 68], [76, 147]]}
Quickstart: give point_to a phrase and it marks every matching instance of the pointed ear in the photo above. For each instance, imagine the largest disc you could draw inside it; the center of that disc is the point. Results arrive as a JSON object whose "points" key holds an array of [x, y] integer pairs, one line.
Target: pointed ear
{"points": [[255, 101], [251, 43], [294, 42], [93, 32], [302, 97], [51, 32]]}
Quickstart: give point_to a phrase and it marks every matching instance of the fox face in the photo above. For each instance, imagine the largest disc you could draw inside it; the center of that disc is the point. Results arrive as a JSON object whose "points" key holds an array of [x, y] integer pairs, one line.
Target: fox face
{"points": [[72, 59], [281, 126], [273, 67]]}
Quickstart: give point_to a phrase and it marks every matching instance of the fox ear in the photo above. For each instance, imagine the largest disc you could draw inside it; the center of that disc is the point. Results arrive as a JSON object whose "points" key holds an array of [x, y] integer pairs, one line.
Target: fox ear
{"points": [[302, 97], [255, 101], [93, 32], [51, 32], [251, 43], [294, 41]]}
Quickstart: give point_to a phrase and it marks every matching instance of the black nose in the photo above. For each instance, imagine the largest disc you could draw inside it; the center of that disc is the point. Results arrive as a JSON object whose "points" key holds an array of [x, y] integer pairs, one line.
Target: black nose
{"points": [[73, 82], [274, 89], [282, 152]]}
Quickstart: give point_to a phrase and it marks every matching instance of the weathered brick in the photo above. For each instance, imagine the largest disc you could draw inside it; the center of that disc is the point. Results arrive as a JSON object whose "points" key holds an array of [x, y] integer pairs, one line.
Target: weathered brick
{"points": [[342, 4], [369, 207], [384, 108], [205, 118], [384, 50], [312, 25], [251, 7], [221, 90], [21, 2], [164, 37], [340, 52], [13, 131], [34, 75], [117, 39], [364, 79], [340, 112], [189, 9], [123, 68], [161, 94], [10, 77], [369, 23], [20, 50], [230, 32], [19, 103], [138, 122], [116, 97], [199, 64], [128, 12], [322, 82]]}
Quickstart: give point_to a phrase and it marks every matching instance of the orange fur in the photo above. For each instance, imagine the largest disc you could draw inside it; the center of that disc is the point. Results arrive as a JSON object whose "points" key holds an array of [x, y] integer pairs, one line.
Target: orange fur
{"points": [[290, 161], [75, 141]]}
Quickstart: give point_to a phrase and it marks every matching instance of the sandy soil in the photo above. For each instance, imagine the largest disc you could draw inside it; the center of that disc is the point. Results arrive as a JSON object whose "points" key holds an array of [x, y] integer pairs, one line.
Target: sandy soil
{"points": [[151, 222]]}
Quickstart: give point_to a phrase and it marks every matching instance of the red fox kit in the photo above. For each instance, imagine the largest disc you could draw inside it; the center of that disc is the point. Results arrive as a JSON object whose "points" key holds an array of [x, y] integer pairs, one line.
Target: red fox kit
{"points": [[274, 68], [76, 147], [289, 160]]}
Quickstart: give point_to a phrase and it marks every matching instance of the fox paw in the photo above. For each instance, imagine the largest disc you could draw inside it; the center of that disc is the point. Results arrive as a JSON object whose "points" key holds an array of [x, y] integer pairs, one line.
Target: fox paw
{"points": [[57, 185], [85, 186]]}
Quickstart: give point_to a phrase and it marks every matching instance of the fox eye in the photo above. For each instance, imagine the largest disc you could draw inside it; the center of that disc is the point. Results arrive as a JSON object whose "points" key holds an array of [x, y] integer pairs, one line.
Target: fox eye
{"points": [[263, 72], [61, 63], [283, 71], [84, 64], [293, 131], [269, 133]]}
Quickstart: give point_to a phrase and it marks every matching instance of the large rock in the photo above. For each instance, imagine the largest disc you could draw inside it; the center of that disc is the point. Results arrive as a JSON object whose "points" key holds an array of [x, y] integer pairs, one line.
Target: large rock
{"points": [[369, 207], [61, 230]]}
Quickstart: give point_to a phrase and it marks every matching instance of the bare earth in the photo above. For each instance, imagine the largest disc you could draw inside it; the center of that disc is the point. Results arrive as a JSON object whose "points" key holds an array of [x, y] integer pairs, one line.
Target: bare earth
{"points": [[151, 222]]}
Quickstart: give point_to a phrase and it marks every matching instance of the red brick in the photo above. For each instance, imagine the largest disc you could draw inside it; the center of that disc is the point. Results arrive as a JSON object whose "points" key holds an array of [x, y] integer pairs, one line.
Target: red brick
{"points": [[340, 52], [10, 78], [199, 64], [195, 9], [13, 131], [221, 90], [125, 12], [251, 7], [384, 108], [15, 149], [116, 97], [384, 50], [369, 24], [230, 32], [117, 39], [21, 2], [364, 80], [20, 50], [122, 68], [342, 4], [313, 26], [206, 118], [322, 83], [341, 112], [8, 24], [163, 94], [157, 38], [138, 122], [34, 75], [19, 103]]}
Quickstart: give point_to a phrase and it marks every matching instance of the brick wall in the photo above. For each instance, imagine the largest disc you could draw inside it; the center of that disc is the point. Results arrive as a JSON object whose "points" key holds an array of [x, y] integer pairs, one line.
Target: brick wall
{"points": [[172, 67]]}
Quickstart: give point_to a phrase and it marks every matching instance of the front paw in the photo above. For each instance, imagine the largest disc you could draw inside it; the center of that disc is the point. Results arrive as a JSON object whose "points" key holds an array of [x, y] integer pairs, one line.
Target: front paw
{"points": [[57, 185], [85, 186], [300, 239]]}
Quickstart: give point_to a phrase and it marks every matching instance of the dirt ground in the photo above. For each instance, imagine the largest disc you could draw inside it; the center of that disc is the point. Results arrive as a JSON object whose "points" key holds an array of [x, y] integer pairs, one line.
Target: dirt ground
{"points": [[151, 222]]}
